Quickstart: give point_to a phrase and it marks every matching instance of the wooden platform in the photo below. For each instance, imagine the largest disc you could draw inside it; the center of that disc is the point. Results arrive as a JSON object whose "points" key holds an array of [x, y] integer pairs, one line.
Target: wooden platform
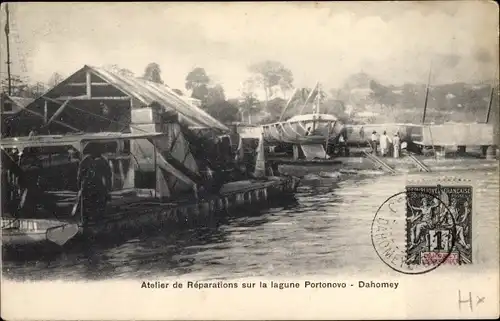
{"points": [[135, 211]]}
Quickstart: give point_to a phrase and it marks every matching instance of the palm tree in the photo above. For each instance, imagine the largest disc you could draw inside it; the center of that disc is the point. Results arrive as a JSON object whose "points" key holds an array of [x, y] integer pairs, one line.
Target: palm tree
{"points": [[249, 105]]}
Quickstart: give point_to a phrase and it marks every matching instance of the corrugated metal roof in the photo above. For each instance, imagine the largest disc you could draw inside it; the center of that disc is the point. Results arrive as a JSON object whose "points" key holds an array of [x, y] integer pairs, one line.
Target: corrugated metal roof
{"points": [[149, 92]]}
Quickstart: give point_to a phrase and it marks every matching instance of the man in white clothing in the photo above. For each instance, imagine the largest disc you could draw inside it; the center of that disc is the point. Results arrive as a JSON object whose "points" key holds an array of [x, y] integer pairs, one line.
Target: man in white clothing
{"points": [[384, 144], [396, 142], [373, 142]]}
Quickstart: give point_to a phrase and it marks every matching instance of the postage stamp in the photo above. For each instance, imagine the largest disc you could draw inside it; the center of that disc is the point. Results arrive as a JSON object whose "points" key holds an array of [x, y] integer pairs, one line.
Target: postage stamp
{"points": [[427, 225], [439, 226]]}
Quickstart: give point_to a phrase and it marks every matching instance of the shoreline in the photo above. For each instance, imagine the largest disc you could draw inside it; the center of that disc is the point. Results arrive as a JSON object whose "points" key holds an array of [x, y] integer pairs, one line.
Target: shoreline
{"points": [[362, 165]]}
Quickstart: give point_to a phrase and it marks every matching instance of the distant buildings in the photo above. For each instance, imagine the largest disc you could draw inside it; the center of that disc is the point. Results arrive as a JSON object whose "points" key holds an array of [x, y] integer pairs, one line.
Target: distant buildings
{"points": [[194, 101], [11, 105], [11, 108]]}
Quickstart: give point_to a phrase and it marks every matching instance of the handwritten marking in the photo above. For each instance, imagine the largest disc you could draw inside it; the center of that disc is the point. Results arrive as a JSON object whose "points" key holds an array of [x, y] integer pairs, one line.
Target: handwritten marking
{"points": [[469, 301]]}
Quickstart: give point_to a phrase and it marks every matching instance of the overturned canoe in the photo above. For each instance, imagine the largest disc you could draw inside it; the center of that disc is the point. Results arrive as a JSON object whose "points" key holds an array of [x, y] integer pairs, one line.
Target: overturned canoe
{"points": [[31, 232], [304, 129]]}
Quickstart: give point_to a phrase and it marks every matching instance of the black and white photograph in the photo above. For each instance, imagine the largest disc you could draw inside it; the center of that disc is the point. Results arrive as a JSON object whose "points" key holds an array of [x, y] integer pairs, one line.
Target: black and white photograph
{"points": [[251, 159]]}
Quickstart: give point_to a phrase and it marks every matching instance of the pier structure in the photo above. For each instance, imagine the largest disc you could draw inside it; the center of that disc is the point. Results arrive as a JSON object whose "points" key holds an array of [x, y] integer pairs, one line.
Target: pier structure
{"points": [[455, 135]]}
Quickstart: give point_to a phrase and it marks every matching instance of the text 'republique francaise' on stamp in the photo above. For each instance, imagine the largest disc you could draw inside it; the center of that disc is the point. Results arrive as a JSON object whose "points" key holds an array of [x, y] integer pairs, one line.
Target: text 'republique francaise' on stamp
{"points": [[425, 226]]}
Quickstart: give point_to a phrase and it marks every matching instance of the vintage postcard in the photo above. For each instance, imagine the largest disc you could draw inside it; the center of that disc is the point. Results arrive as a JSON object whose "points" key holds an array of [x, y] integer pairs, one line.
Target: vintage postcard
{"points": [[238, 160]]}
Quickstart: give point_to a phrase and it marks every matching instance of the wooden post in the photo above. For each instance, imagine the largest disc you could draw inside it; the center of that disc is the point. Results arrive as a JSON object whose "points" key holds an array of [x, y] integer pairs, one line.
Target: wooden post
{"points": [[327, 139], [155, 165], [7, 22], [432, 141], [45, 112], [295, 152], [489, 104], [89, 84], [260, 161]]}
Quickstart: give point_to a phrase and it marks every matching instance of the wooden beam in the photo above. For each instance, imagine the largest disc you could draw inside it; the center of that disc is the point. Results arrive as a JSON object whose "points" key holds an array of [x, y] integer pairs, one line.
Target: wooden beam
{"points": [[55, 121], [67, 126], [58, 111], [489, 105], [93, 98], [89, 84], [45, 111], [93, 84]]}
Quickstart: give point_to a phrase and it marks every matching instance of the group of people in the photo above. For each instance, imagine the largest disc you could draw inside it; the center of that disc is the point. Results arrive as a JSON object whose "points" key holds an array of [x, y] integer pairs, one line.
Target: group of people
{"points": [[385, 143]]}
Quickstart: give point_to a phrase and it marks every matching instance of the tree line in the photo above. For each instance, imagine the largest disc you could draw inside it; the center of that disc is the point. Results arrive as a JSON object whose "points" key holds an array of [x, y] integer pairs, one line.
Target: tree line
{"points": [[276, 82], [270, 76]]}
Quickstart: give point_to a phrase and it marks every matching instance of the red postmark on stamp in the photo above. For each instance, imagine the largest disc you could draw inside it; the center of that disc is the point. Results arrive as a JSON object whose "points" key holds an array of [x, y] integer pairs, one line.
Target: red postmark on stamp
{"points": [[432, 258]]}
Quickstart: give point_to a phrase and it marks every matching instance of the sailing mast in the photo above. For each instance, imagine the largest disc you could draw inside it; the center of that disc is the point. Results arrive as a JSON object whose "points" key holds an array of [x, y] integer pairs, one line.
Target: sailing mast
{"points": [[309, 97], [492, 92], [489, 104], [8, 48], [425, 109], [427, 94], [318, 99], [292, 97]]}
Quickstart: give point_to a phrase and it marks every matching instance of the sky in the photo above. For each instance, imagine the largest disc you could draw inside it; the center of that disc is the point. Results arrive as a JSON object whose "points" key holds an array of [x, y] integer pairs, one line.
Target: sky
{"points": [[393, 42]]}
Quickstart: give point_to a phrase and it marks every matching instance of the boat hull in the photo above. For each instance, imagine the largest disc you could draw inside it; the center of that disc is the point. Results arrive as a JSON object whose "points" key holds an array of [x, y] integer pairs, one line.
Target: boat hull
{"points": [[34, 233], [306, 129], [23, 238]]}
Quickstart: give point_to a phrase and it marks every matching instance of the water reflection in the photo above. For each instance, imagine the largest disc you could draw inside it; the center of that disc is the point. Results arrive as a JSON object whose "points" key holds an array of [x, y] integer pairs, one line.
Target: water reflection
{"points": [[175, 252], [326, 230]]}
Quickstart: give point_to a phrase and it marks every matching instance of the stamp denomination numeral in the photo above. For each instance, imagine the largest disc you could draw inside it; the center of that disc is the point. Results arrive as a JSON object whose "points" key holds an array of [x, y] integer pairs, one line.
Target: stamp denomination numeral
{"points": [[439, 240]]}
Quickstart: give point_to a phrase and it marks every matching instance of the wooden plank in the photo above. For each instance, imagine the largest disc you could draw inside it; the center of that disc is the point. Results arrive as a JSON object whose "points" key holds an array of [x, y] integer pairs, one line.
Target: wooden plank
{"points": [[58, 111], [93, 98], [45, 111], [89, 84], [83, 84]]}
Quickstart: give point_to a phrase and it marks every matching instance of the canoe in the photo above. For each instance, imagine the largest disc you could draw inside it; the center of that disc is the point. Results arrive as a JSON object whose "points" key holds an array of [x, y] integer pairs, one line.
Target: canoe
{"points": [[34, 232]]}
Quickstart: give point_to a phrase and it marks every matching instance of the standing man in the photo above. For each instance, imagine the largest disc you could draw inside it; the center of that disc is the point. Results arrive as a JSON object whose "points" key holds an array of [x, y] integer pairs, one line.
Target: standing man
{"points": [[374, 142], [384, 144], [94, 179], [396, 144]]}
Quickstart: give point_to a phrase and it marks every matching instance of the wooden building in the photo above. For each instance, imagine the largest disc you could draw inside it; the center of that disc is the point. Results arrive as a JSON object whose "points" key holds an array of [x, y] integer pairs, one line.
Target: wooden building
{"points": [[94, 100]]}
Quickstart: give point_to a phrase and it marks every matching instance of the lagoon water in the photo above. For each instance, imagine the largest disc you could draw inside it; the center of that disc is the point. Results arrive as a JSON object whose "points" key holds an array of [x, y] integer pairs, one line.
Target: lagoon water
{"points": [[327, 231]]}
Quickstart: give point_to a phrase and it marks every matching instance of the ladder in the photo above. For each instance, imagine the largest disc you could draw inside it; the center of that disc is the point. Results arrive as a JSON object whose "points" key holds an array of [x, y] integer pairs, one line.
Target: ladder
{"points": [[421, 166], [377, 161]]}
